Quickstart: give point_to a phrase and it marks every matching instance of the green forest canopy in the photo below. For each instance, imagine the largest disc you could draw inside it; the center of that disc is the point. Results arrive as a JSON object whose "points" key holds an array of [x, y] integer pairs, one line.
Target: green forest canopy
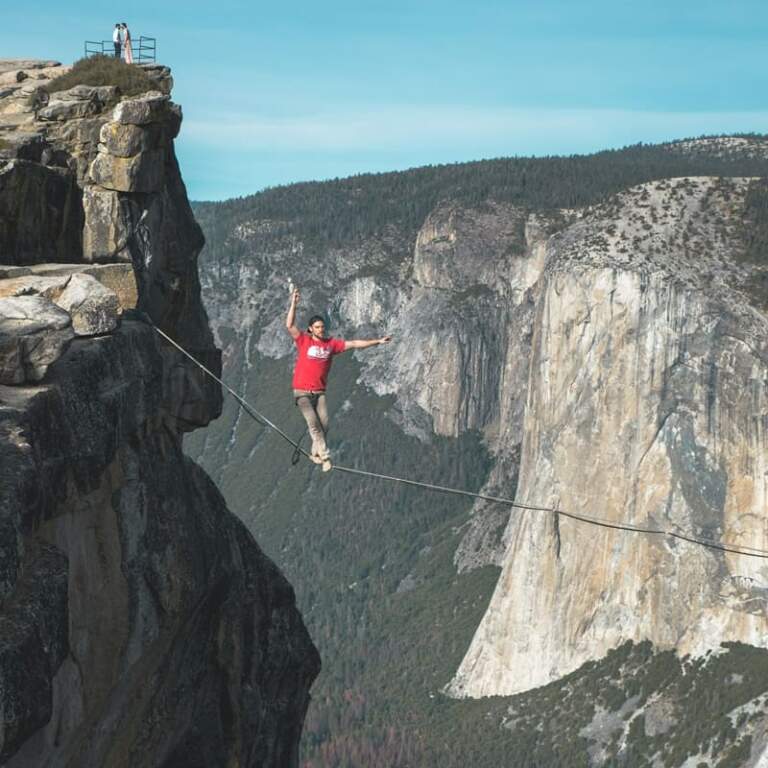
{"points": [[340, 210]]}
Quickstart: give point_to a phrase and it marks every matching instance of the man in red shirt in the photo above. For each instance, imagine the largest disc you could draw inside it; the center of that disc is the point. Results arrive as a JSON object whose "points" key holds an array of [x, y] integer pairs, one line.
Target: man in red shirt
{"points": [[310, 375]]}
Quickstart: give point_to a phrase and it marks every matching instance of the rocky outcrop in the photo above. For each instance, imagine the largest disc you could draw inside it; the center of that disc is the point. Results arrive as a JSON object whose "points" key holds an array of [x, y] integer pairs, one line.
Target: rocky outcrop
{"points": [[113, 192], [140, 624]]}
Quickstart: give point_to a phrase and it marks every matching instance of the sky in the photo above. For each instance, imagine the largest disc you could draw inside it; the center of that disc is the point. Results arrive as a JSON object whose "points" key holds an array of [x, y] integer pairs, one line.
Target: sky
{"points": [[274, 93]]}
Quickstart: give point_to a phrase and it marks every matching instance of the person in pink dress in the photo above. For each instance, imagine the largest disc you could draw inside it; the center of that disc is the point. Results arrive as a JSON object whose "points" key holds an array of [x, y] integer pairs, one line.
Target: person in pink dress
{"points": [[127, 47]]}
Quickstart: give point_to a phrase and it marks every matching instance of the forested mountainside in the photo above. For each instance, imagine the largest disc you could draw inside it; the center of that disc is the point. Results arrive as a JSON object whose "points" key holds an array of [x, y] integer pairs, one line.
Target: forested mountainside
{"points": [[581, 332], [343, 210]]}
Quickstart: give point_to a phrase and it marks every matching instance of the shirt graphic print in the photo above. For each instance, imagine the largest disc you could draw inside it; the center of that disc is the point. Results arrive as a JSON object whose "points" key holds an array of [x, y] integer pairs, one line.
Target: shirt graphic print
{"points": [[319, 353]]}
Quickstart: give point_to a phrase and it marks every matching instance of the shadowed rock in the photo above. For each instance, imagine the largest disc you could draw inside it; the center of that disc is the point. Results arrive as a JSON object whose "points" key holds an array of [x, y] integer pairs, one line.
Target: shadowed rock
{"points": [[33, 333], [31, 231], [140, 624], [185, 646]]}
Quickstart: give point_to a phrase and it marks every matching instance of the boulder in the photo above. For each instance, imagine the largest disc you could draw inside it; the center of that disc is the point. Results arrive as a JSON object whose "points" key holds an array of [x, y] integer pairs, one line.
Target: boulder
{"points": [[36, 92], [140, 173], [19, 102], [33, 334], [93, 307], [126, 140], [81, 137], [78, 101], [80, 132], [160, 75], [119, 278], [67, 110], [149, 108], [13, 76], [33, 285], [105, 233], [101, 93]]}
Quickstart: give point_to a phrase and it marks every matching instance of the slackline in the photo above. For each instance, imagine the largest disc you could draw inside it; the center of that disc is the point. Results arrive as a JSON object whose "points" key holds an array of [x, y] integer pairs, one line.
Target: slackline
{"points": [[588, 519]]}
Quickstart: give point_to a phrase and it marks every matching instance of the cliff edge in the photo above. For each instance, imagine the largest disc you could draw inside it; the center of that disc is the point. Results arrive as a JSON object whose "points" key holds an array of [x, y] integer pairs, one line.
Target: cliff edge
{"points": [[140, 624]]}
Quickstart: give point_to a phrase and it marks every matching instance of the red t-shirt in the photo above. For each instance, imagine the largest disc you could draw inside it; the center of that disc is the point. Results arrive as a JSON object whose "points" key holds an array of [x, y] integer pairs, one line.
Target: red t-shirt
{"points": [[314, 361]]}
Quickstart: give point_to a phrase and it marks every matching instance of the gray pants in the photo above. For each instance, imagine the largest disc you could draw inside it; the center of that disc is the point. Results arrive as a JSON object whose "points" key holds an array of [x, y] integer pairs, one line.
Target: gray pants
{"points": [[315, 412]]}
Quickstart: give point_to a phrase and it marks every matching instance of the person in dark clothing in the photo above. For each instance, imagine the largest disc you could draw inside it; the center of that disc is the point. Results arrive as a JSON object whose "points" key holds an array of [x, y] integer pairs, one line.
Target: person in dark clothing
{"points": [[117, 40]]}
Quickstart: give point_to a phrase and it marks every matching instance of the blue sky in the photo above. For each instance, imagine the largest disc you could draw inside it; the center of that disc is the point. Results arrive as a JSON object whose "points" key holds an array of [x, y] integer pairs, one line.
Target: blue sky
{"points": [[282, 92]]}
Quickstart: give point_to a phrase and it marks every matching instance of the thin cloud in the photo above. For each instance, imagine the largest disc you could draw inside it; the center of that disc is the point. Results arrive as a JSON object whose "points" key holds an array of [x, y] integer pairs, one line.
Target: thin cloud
{"points": [[443, 127]]}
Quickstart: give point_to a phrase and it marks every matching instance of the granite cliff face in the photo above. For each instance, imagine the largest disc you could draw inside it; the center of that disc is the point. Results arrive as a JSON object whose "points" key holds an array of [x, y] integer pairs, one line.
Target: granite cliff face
{"points": [[612, 357], [646, 404], [140, 624]]}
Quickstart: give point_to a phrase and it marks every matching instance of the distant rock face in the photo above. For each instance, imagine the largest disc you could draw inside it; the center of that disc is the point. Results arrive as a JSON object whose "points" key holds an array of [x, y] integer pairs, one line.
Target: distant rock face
{"points": [[140, 624], [647, 405], [477, 266]]}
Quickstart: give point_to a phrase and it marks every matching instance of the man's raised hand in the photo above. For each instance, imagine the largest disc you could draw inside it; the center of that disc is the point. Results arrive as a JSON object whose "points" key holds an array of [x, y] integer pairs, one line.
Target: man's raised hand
{"points": [[290, 318], [385, 339]]}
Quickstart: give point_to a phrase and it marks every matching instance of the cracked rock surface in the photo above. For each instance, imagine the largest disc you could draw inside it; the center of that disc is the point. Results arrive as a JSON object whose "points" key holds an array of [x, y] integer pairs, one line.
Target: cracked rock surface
{"points": [[140, 623]]}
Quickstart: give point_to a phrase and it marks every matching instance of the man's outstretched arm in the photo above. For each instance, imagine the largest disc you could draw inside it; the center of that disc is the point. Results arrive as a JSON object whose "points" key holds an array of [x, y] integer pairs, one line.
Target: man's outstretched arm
{"points": [[365, 343], [290, 320]]}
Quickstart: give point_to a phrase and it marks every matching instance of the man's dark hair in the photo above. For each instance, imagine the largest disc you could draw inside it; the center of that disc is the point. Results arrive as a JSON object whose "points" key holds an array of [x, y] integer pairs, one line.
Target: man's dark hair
{"points": [[312, 320]]}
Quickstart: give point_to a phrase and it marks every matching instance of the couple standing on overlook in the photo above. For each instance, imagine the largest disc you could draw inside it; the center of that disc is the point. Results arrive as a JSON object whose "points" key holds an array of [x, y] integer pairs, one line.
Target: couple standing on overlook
{"points": [[315, 355], [121, 37]]}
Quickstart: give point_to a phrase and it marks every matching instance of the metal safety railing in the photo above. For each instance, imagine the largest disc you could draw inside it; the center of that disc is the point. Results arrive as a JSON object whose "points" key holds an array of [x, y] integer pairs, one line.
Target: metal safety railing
{"points": [[144, 49]]}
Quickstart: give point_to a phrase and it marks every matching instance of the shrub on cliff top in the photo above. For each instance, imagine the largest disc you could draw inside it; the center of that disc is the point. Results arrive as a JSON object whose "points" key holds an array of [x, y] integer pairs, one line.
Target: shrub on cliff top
{"points": [[104, 70]]}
